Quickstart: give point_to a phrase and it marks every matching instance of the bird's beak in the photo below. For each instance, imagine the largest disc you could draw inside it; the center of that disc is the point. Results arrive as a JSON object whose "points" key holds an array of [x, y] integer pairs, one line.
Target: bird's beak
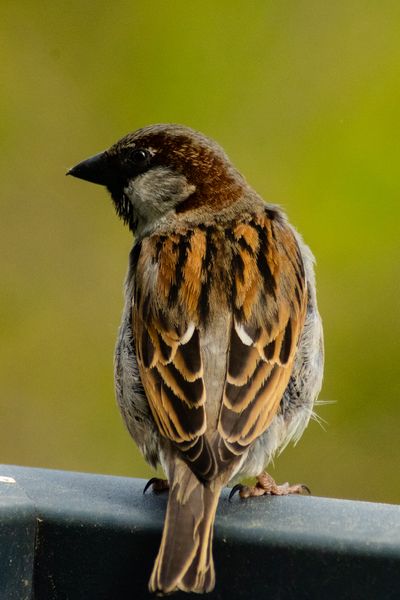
{"points": [[94, 169]]}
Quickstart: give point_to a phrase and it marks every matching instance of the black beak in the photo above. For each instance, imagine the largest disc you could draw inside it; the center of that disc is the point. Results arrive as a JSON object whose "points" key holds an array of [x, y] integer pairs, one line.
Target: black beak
{"points": [[95, 169]]}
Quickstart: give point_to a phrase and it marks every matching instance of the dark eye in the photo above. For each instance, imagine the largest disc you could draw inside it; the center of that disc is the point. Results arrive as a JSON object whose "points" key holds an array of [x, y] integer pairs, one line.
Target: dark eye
{"points": [[140, 156]]}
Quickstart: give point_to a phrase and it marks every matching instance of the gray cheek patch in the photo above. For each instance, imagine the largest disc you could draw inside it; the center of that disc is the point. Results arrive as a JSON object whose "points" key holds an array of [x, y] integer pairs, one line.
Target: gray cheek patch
{"points": [[154, 193]]}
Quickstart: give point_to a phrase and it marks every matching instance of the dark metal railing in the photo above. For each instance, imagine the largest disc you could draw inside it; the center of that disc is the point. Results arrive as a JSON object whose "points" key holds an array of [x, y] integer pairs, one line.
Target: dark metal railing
{"points": [[74, 536]]}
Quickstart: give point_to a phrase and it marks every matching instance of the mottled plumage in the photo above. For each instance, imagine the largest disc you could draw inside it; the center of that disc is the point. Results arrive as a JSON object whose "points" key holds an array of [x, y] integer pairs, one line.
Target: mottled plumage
{"points": [[219, 356]]}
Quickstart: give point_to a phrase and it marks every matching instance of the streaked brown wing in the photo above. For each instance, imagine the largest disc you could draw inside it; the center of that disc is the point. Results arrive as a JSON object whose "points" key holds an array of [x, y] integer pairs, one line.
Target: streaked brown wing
{"points": [[168, 281], [260, 278], [269, 311]]}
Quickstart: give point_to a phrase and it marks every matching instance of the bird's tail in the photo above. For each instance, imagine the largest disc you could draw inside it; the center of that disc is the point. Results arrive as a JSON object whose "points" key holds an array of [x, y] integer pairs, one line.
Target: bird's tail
{"points": [[184, 561]]}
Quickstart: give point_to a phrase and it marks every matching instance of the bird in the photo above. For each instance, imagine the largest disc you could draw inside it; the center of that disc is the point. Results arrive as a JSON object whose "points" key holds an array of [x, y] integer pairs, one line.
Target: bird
{"points": [[219, 356]]}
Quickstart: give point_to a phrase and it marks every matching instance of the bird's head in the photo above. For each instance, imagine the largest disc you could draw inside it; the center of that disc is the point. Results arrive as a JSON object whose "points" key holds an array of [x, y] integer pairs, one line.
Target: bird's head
{"points": [[163, 170]]}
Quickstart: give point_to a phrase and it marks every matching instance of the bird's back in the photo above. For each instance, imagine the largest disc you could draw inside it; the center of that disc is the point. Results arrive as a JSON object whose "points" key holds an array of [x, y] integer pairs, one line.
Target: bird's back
{"points": [[218, 312]]}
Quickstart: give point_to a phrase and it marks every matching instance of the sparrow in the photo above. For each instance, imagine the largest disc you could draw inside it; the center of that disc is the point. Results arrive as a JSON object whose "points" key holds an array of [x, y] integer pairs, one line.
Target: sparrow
{"points": [[219, 356]]}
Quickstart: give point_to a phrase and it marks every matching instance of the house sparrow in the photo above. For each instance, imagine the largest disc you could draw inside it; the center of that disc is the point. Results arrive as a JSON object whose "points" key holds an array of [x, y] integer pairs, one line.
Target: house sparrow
{"points": [[219, 355]]}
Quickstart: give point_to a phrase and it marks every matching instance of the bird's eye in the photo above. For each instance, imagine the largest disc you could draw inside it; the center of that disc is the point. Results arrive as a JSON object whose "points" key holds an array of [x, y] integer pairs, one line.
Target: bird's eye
{"points": [[140, 156]]}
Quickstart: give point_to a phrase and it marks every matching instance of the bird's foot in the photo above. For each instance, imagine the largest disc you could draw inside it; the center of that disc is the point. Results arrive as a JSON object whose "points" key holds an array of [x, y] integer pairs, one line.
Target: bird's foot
{"points": [[157, 485], [266, 485]]}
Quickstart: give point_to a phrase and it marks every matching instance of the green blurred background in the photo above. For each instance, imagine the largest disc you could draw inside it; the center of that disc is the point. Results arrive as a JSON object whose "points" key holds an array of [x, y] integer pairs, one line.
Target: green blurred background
{"points": [[305, 97]]}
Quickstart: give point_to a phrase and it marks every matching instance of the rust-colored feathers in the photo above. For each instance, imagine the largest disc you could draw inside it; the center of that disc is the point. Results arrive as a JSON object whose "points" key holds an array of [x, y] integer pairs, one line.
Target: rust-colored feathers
{"points": [[260, 285]]}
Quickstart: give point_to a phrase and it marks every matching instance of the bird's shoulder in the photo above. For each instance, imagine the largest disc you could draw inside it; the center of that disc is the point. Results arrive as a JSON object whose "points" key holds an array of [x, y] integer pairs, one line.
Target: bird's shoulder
{"points": [[236, 262]]}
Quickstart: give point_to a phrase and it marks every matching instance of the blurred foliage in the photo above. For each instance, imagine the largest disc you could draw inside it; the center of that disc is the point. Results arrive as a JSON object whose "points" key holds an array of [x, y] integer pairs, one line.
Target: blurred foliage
{"points": [[305, 98]]}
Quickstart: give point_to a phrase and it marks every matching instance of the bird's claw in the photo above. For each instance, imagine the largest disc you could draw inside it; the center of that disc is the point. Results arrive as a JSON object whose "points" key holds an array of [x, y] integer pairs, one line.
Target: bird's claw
{"points": [[158, 485], [236, 488], [266, 486]]}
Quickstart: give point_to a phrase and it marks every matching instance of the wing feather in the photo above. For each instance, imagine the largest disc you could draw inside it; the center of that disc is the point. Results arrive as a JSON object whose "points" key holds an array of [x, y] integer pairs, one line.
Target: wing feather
{"points": [[180, 285], [264, 334], [168, 342]]}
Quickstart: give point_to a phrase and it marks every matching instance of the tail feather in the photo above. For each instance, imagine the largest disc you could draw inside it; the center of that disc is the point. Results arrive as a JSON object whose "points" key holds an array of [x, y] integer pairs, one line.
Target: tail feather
{"points": [[185, 561]]}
